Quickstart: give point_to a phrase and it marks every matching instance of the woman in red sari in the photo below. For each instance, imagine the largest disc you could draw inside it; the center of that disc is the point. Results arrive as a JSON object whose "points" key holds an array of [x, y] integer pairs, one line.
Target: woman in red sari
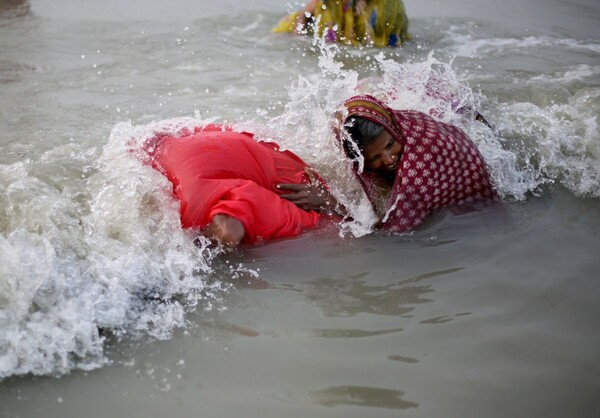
{"points": [[408, 163], [226, 182]]}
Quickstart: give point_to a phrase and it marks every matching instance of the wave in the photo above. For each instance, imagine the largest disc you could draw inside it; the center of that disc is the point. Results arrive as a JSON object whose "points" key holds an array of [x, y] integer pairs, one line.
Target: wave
{"points": [[99, 250], [90, 240], [463, 45]]}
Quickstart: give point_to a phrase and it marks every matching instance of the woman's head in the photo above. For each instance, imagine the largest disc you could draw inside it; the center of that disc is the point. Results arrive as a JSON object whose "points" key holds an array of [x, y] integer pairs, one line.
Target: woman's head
{"points": [[361, 132], [380, 150]]}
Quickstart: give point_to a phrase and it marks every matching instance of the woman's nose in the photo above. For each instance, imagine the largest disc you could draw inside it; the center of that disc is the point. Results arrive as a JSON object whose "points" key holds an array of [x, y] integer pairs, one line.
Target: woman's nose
{"points": [[388, 158]]}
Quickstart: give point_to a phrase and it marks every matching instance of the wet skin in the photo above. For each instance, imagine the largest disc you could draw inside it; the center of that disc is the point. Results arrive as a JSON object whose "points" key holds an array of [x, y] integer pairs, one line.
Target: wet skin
{"points": [[382, 156]]}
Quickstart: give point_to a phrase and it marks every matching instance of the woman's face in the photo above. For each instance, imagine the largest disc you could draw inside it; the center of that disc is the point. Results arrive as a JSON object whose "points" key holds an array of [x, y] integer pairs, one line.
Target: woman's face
{"points": [[382, 156]]}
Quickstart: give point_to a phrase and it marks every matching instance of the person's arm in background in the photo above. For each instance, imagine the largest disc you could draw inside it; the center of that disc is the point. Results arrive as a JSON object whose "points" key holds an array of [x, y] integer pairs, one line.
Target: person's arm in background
{"points": [[304, 15]]}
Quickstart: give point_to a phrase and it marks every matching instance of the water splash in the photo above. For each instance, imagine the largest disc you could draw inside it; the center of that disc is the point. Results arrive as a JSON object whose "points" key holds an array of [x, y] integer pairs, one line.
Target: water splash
{"points": [[531, 146], [430, 86], [102, 249], [91, 239]]}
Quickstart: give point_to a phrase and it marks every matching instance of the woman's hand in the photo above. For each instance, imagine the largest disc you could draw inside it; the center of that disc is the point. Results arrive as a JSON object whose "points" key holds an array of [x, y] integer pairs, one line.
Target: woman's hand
{"points": [[310, 196]]}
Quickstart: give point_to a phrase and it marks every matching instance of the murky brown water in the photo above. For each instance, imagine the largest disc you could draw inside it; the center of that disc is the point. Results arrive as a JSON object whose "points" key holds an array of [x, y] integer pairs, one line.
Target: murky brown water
{"points": [[486, 314]]}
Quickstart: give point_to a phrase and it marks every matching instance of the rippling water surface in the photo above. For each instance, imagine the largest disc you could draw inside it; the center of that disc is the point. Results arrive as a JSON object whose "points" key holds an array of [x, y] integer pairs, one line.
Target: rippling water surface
{"points": [[107, 306]]}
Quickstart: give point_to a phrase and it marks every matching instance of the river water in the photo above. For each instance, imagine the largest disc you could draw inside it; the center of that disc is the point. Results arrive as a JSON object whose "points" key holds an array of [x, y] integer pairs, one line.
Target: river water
{"points": [[492, 313]]}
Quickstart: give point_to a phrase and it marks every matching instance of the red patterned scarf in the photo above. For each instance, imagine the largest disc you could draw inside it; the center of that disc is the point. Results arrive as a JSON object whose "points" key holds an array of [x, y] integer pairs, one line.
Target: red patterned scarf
{"points": [[440, 166]]}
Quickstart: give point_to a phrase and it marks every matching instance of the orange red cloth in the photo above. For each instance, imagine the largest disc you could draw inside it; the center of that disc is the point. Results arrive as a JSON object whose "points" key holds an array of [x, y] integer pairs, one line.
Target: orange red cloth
{"points": [[217, 171]]}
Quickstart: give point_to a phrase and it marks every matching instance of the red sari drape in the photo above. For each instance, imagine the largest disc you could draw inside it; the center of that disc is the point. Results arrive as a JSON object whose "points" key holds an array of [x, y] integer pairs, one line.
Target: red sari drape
{"points": [[217, 171]]}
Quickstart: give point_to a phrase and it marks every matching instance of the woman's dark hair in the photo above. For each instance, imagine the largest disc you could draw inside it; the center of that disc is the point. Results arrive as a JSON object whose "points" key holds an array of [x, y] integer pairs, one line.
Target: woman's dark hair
{"points": [[361, 132]]}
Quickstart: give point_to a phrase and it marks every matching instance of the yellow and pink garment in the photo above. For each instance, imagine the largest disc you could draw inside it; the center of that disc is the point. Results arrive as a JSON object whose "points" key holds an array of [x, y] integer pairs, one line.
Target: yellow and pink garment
{"points": [[381, 23]]}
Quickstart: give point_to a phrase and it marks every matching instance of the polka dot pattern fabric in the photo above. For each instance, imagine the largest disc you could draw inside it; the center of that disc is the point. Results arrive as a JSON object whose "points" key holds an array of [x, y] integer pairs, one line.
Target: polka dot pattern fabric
{"points": [[440, 166]]}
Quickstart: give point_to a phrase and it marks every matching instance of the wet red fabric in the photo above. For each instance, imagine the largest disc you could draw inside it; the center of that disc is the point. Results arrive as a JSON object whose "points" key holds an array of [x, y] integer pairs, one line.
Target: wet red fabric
{"points": [[217, 171], [440, 166]]}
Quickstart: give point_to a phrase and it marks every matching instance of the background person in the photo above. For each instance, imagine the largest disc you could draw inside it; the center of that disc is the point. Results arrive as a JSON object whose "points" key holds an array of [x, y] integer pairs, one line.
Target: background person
{"points": [[378, 23]]}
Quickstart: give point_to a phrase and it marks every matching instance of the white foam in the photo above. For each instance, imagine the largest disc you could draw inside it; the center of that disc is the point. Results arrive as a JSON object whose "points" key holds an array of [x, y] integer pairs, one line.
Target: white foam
{"points": [[561, 140], [108, 252], [462, 45], [574, 73]]}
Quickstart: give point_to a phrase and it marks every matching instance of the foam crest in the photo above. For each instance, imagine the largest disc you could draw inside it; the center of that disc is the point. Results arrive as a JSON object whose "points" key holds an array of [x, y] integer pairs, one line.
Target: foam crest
{"points": [[101, 249], [559, 141], [465, 46]]}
